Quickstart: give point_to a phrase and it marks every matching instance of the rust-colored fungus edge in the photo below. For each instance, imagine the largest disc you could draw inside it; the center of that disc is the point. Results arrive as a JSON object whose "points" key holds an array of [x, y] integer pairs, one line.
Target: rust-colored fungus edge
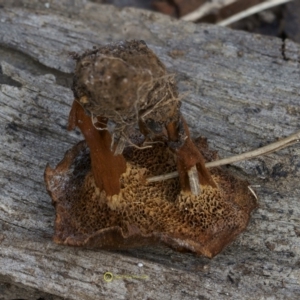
{"points": [[146, 213]]}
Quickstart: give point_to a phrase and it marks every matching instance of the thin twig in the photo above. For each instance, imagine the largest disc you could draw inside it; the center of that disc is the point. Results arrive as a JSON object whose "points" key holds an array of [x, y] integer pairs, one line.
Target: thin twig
{"points": [[288, 141], [163, 177], [251, 11], [205, 9], [283, 143], [211, 6]]}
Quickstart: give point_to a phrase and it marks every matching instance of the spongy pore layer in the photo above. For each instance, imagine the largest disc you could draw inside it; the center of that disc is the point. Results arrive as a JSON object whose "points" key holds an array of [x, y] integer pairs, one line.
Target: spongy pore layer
{"points": [[144, 213]]}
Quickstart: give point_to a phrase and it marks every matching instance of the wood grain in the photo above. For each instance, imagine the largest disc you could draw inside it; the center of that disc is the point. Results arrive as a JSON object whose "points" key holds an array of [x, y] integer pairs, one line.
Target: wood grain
{"points": [[239, 90]]}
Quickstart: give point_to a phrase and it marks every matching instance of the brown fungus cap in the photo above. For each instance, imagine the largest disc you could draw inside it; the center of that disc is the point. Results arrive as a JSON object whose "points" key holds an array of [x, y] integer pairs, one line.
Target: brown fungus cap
{"points": [[146, 213], [123, 82]]}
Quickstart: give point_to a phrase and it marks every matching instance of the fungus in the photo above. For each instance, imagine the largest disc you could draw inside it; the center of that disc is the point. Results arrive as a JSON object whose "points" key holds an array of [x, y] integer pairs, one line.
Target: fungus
{"points": [[128, 86], [126, 105], [146, 213]]}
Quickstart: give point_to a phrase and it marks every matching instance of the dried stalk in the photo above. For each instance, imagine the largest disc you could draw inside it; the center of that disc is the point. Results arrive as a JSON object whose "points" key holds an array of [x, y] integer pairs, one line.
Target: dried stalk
{"points": [[211, 6], [283, 143], [251, 11], [206, 9]]}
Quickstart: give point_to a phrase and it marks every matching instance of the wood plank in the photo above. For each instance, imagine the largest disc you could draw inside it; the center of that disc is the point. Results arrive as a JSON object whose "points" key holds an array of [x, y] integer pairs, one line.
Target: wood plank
{"points": [[239, 90]]}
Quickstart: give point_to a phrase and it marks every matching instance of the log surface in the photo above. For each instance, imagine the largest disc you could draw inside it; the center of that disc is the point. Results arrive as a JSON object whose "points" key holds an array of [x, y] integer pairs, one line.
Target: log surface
{"points": [[239, 90]]}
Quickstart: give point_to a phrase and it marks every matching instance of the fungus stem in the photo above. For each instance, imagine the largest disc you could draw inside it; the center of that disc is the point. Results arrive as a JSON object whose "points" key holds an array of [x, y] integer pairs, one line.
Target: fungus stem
{"points": [[283, 143]]}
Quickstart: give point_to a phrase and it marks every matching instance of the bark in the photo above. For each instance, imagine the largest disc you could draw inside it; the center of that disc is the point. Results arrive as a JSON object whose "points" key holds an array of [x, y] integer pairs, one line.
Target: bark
{"points": [[239, 90]]}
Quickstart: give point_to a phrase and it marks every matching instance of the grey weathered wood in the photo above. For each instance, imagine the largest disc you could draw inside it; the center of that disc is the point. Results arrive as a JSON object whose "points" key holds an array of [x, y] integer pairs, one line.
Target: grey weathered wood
{"points": [[239, 90]]}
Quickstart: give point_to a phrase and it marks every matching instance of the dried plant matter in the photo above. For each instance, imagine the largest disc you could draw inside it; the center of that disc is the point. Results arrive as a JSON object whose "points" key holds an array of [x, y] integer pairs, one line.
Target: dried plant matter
{"points": [[226, 12], [276, 146], [146, 213], [251, 10]]}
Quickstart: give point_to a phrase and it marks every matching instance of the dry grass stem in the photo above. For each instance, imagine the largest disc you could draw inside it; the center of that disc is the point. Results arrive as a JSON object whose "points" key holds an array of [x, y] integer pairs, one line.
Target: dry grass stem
{"points": [[283, 143], [206, 9], [251, 11], [211, 6]]}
